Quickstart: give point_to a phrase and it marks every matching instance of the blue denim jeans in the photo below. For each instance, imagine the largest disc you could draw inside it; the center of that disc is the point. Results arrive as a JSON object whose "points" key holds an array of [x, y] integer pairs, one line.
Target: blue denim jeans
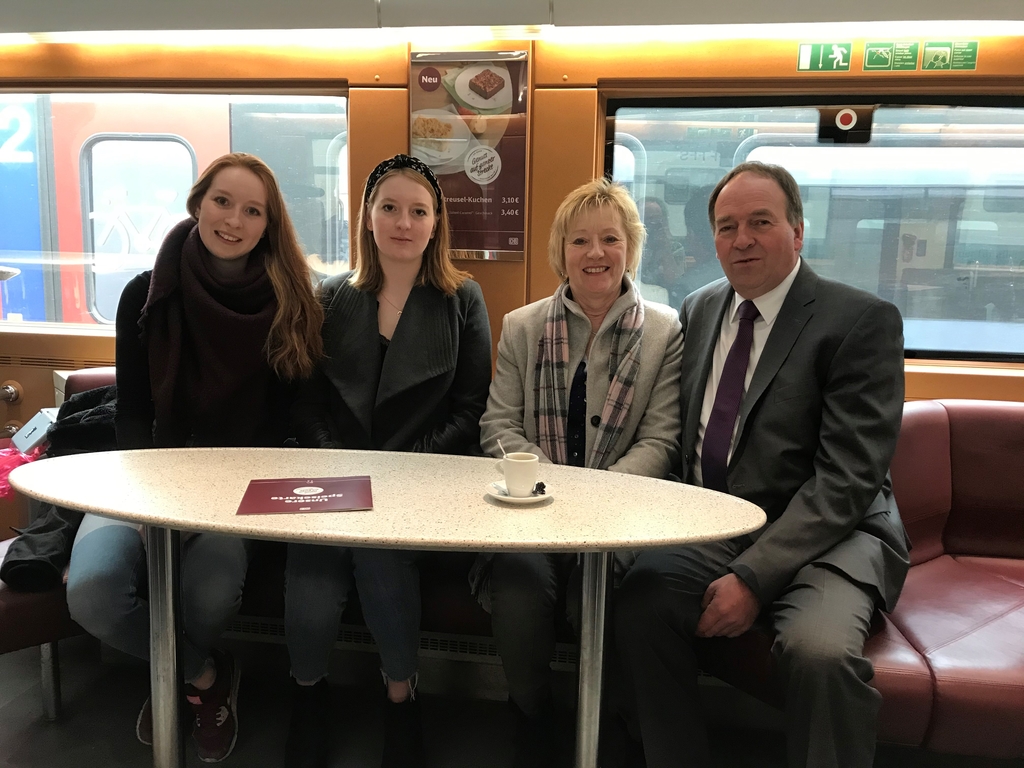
{"points": [[107, 589], [318, 580]]}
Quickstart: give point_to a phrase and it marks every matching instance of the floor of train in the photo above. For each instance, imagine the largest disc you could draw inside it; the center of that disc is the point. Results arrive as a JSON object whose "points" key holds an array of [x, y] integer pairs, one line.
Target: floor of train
{"points": [[101, 700]]}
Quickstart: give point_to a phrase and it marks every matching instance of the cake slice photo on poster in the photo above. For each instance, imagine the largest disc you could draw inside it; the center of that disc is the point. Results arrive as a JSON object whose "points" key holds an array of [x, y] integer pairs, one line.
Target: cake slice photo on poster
{"points": [[483, 94], [486, 87], [487, 84], [439, 136]]}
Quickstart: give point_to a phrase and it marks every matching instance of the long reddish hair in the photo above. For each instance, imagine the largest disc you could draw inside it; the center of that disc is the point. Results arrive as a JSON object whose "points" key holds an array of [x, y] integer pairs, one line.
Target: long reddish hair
{"points": [[294, 345]]}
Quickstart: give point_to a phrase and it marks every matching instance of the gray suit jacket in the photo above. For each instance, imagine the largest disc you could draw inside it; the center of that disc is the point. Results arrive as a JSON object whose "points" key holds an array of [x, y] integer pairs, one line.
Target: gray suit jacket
{"points": [[817, 430], [428, 392]]}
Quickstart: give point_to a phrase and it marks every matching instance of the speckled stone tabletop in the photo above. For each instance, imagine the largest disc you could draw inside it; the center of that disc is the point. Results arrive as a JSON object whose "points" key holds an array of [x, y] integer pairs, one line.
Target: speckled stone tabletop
{"points": [[421, 501]]}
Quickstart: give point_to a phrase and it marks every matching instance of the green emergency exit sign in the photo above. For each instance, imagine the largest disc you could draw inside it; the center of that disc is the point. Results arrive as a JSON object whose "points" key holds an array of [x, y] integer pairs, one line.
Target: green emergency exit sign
{"points": [[898, 57], [824, 57]]}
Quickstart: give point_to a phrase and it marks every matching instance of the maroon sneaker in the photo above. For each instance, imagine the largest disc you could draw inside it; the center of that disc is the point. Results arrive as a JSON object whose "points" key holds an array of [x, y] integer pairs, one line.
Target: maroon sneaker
{"points": [[216, 723]]}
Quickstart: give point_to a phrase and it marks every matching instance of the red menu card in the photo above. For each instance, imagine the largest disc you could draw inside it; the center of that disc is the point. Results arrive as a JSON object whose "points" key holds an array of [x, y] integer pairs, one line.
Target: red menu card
{"points": [[304, 494]]}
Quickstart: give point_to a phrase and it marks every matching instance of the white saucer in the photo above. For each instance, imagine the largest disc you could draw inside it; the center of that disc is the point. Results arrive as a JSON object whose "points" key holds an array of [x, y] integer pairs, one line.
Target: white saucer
{"points": [[497, 491]]}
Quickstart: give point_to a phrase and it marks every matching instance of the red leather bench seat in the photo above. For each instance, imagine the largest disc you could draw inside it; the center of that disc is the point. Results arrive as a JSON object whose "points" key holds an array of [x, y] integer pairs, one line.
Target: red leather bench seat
{"points": [[968, 624], [28, 619], [962, 496], [1011, 570], [901, 675], [949, 661], [905, 682], [32, 618]]}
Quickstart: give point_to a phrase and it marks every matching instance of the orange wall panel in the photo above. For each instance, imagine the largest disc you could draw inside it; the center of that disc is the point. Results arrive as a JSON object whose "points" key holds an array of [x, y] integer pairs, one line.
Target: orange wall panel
{"points": [[53, 65], [991, 381], [378, 128], [565, 154], [504, 287], [572, 65]]}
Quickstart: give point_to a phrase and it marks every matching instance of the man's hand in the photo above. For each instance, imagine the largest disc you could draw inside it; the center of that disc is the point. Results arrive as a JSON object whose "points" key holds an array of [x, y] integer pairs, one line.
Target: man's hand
{"points": [[729, 608]]}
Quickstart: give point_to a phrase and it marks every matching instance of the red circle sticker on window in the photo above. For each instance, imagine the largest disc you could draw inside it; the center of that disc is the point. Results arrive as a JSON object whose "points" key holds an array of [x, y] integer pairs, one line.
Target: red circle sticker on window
{"points": [[846, 119]]}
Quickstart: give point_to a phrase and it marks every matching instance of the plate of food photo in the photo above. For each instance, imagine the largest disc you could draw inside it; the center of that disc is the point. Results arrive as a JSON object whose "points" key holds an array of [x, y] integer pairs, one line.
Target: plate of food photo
{"points": [[438, 136], [485, 86]]}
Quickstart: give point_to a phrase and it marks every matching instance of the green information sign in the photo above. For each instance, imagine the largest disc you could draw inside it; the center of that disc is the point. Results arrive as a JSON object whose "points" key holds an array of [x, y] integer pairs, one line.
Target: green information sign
{"points": [[899, 57], [950, 56], [824, 57]]}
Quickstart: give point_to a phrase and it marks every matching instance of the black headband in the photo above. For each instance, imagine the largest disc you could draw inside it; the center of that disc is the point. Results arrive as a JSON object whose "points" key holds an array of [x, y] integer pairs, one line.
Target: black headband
{"points": [[395, 163]]}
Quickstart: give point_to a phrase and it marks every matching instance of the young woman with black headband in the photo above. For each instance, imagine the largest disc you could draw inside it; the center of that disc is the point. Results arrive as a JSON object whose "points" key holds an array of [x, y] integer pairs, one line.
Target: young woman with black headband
{"points": [[406, 367]]}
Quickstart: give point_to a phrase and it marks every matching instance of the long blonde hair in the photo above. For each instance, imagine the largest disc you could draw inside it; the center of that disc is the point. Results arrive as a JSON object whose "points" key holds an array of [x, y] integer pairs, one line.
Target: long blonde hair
{"points": [[437, 268], [294, 344]]}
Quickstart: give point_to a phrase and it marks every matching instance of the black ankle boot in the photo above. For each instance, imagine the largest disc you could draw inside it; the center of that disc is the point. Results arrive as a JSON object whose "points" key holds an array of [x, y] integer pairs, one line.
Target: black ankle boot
{"points": [[403, 735], [536, 738], [309, 733]]}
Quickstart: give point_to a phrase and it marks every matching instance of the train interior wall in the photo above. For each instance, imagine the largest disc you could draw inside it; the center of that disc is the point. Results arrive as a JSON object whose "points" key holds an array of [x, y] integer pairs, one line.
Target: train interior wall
{"points": [[570, 85]]}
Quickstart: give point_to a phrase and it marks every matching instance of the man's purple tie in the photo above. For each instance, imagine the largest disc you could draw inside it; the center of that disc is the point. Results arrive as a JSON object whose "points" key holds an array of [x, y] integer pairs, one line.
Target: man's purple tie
{"points": [[714, 453]]}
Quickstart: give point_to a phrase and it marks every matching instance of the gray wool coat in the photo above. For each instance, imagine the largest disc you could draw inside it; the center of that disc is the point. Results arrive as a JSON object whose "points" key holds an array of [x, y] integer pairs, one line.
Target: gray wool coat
{"points": [[649, 443]]}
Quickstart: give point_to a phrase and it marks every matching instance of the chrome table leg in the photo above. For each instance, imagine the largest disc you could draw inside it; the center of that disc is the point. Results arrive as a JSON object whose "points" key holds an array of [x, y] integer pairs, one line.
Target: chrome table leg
{"points": [[596, 567], [50, 666], [164, 550]]}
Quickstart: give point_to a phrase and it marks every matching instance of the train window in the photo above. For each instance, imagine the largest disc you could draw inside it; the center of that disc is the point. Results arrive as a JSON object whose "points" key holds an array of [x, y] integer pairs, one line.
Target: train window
{"points": [[927, 214], [90, 184], [131, 195]]}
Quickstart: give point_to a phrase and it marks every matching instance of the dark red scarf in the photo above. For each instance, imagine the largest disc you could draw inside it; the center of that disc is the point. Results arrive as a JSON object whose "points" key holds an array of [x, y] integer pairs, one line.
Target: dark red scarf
{"points": [[206, 340]]}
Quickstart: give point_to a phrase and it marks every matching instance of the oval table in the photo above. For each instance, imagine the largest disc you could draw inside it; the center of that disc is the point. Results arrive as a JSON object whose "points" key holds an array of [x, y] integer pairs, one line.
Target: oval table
{"points": [[420, 501]]}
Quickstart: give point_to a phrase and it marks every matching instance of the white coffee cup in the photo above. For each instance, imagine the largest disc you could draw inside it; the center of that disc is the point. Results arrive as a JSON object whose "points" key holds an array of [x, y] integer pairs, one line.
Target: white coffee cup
{"points": [[520, 471]]}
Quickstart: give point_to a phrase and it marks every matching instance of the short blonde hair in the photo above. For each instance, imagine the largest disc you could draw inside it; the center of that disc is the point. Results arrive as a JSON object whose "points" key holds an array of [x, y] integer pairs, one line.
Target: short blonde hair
{"points": [[599, 193]]}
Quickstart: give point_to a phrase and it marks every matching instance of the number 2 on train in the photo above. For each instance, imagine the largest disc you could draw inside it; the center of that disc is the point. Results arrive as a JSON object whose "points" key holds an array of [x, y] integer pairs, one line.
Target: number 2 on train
{"points": [[9, 152]]}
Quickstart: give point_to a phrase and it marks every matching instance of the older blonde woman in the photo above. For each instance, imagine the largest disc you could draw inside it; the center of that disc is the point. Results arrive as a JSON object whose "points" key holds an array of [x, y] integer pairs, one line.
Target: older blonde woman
{"points": [[587, 377]]}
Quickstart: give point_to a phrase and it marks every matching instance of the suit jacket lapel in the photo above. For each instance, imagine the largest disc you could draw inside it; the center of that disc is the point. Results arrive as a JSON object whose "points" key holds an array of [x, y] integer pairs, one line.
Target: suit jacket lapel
{"points": [[702, 330], [796, 310], [352, 346], [422, 346]]}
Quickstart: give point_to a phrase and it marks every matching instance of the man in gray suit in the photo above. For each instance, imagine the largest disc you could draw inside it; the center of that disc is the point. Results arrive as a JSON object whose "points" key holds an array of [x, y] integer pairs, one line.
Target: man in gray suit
{"points": [[792, 395]]}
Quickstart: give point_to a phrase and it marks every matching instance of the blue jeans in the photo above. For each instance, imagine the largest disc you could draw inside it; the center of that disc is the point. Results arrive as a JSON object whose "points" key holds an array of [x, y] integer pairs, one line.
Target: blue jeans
{"points": [[107, 589], [317, 583]]}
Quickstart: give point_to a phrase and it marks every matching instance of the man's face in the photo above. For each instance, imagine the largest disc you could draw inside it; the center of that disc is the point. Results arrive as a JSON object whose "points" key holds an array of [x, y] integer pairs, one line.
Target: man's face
{"points": [[755, 243], [654, 219]]}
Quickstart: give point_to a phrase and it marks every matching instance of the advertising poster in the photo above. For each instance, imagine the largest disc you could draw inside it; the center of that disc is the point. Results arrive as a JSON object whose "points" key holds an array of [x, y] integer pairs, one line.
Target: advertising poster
{"points": [[468, 123]]}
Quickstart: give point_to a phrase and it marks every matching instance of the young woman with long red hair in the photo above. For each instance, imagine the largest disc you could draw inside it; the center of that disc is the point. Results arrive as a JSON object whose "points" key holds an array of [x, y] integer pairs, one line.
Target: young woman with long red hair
{"points": [[209, 343]]}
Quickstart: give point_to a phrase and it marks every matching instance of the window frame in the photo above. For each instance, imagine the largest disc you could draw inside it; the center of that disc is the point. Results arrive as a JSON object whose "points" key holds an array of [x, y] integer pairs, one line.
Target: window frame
{"points": [[824, 100], [86, 193]]}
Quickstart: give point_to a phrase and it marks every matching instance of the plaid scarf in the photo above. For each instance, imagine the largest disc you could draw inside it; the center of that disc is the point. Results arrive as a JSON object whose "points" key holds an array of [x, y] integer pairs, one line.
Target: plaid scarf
{"points": [[550, 389]]}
